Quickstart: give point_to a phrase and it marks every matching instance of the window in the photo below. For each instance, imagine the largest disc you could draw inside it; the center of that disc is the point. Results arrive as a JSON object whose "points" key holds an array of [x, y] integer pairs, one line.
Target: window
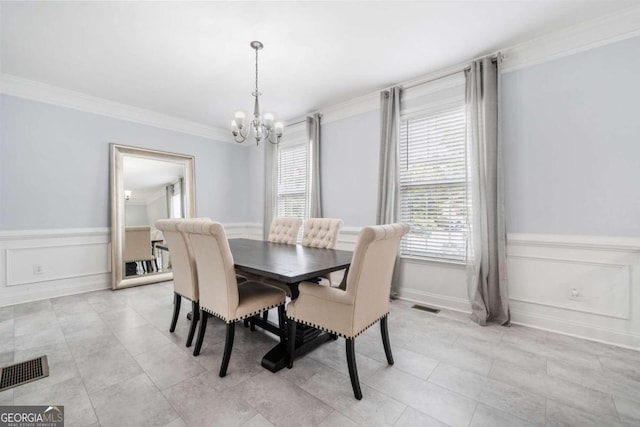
{"points": [[291, 191], [432, 173]]}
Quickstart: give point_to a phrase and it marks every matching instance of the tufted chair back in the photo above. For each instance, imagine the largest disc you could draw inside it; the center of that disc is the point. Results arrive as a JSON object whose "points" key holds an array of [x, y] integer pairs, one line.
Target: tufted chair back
{"points": [[321, 232], [185, 278], [284, 230]]}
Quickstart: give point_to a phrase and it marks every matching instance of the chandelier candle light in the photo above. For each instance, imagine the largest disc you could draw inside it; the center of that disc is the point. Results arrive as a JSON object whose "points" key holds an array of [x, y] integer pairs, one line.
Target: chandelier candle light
{"points": [[263, 126]]}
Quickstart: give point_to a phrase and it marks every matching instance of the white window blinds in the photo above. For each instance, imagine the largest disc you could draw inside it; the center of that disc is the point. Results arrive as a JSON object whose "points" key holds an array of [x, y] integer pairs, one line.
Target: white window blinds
{"points": [[291, 194], [433, 198]]}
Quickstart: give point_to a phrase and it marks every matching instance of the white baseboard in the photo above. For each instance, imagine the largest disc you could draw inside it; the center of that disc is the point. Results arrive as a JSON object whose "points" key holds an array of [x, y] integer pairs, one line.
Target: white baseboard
{"points": [[576, 329], [434, 300]]}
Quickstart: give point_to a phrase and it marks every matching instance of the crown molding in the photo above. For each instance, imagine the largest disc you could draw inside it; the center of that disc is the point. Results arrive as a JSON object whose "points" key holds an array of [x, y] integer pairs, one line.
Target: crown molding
{"points": [[42, 92], [611, 28], [602, 31], [351, 107]]}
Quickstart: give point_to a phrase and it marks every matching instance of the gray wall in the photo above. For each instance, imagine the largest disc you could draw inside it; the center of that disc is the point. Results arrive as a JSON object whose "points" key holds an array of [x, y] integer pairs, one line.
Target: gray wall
{"points": [[572, 148], [572, 144], [156, 210], [54, 167], [135, 215], [349, 170]]}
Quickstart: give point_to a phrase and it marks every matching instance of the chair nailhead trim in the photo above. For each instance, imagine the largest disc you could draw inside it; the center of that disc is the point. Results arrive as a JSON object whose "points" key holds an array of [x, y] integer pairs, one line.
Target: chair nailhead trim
{"points": [[334, 332], [246, 316]]}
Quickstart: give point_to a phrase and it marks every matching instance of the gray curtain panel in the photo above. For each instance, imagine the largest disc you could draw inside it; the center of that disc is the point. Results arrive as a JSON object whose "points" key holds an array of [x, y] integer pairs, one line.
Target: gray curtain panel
{"points": [[314, 194], [169, 196], [182, 199], [486, 244], [270, 181], [388, 181], [388, 185]]}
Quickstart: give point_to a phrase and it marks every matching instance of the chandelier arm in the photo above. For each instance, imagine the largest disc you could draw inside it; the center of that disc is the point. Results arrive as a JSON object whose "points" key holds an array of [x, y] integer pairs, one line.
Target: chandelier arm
{"points": [[242, 136], [270, 137]]}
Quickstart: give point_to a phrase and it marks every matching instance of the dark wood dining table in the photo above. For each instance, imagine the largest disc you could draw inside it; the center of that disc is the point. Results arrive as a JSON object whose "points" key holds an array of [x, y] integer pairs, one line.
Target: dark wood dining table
{"points": [[290, 264]]}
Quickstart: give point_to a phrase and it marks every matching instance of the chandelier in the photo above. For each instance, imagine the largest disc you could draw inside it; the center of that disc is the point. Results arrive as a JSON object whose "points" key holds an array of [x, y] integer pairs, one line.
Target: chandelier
{"points": [[262, 126]]}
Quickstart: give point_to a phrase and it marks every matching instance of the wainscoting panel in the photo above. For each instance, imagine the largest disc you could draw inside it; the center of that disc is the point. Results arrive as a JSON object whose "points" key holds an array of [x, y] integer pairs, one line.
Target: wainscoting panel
{"points": [[576, 285], [590, 287], [37, 264], [436, 284], [243, 230], [42, 264]]}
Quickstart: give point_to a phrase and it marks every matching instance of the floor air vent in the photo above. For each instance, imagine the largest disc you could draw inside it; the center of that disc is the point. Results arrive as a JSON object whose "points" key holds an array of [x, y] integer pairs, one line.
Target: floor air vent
{"points": [[23, 372], [425, 308]]}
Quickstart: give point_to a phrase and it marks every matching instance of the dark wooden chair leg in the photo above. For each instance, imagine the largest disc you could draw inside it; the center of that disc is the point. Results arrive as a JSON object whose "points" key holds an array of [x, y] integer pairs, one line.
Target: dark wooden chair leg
{"points": [[195, 309], [228, 346], [353, 369], [384, 330], [265, 315], [246, 323], [203, 326], [177, 299], [155, 261], [252, 324], [282, 324], [291, 342]]}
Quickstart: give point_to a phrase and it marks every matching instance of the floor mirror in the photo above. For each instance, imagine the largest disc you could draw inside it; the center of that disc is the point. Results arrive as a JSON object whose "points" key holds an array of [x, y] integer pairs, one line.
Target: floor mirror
{"points": [[146, 185]]}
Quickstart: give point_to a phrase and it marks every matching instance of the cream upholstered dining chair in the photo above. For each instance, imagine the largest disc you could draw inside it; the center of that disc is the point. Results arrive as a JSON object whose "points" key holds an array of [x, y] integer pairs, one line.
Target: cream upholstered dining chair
{"points": [[322, 233], [348, 313], [137, 245], [284, 230], [220, 294], [185, 277]]}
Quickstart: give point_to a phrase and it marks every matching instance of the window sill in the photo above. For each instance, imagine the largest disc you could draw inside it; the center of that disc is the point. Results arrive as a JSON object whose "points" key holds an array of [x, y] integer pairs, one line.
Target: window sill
{"points": [[438, 261]]}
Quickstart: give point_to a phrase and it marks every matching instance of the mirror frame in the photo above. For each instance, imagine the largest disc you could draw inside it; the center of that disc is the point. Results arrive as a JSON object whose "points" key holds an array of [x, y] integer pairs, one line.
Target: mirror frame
{"points": [[118, 153]]}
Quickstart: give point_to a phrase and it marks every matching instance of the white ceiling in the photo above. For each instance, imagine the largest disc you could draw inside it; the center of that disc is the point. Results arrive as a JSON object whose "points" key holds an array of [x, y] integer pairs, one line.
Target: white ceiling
{"points": [[193, 60]]}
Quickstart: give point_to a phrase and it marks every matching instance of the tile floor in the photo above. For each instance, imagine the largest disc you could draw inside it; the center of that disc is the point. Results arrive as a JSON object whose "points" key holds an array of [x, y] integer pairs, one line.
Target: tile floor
{"points": [[114, 363]]}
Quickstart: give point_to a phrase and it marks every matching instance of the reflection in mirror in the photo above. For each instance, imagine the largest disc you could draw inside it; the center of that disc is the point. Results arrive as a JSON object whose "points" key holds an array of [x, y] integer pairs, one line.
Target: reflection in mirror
{"points": [[146, 186], [153, 191]]}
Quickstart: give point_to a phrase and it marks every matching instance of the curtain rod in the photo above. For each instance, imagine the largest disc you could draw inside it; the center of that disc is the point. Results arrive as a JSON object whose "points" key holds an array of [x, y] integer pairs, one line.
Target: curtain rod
{"points": [[302, 120], [453, 70], [296, 123]]}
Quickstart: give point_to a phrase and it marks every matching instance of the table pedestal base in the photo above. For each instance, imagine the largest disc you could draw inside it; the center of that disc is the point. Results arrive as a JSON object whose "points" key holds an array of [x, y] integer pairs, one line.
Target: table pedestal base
{"points": [[307, 339]]}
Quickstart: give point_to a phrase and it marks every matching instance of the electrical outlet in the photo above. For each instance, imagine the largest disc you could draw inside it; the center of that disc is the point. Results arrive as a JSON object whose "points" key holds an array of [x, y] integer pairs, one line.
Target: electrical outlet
{"points": [[37, 269]]}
